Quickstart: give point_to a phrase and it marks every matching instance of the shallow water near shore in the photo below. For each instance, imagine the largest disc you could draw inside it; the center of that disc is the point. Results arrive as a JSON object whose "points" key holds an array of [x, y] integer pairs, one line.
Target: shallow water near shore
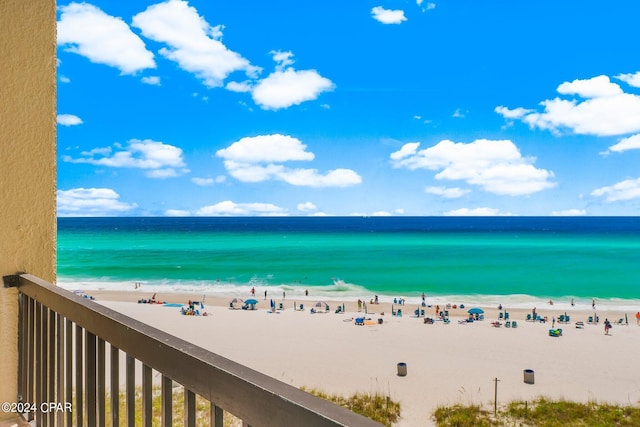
{"points": [[517, 261]]}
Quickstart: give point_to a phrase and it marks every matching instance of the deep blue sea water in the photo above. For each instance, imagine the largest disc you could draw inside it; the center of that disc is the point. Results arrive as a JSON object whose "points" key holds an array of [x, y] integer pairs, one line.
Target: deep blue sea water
{"points": [[483, 259]]}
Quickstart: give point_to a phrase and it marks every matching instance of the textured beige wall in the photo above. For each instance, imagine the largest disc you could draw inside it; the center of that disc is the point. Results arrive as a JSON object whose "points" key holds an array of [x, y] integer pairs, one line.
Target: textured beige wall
{"points": [[27, 160]]}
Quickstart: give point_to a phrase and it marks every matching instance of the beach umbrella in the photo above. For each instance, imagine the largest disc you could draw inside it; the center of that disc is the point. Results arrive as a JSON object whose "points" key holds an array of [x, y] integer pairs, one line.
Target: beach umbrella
{"points": [[251, 301], [475, 310], [321, 304], [236, 301]]}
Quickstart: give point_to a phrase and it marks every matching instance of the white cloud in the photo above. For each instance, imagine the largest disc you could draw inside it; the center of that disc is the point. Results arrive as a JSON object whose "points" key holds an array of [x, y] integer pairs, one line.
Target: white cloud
{"points": [[630, 143], [604, 110], [68, 120], [90, 202], [161, 160], [88, 31], [151, 80], [630, 79], [254, 159], [569, 212], [496, 166], [266, 148], [307, 207], [459, 114], [177, 212], [207, 182], [286, 86], [624, 190], [476, 212], [282, 59], [229, 208], [192, 43], [387, 16], [243, 87], [447, 193]]}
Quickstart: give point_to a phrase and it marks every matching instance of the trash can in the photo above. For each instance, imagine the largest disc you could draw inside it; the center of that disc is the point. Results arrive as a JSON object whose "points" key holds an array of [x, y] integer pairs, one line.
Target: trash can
{"points": [[402, 369], [528, 376], [379, 320]]}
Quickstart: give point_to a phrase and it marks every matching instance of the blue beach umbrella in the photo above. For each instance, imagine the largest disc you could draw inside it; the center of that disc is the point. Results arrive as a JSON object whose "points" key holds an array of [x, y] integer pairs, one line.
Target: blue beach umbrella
{"points": [[475, 310], [251, 301]]}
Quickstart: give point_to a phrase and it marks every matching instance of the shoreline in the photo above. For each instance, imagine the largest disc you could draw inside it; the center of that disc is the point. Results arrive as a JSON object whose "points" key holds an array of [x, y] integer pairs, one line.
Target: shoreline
{"points": [[446, 363], [512, 302]]}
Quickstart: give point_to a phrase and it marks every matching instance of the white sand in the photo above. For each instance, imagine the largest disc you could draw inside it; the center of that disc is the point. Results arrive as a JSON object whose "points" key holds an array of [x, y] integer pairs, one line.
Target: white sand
{"points": [[446, 363]]}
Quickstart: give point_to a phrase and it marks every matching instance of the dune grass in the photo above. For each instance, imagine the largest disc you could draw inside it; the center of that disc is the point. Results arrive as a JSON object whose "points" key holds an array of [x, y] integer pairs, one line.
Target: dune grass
{"points": [[376, 406], [540, 413]]}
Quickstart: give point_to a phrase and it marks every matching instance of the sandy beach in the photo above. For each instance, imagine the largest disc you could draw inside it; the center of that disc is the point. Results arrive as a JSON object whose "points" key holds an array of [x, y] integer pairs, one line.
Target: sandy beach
{"points": [[446, 363]]}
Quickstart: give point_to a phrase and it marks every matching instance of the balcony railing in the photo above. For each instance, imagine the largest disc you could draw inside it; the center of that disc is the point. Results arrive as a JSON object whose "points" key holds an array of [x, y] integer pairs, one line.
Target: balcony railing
{"points": [[70, 351]]}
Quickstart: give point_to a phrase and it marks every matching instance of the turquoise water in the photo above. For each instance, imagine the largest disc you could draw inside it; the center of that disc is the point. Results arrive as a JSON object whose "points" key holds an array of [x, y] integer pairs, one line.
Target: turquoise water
{"points": [[482, 259]]}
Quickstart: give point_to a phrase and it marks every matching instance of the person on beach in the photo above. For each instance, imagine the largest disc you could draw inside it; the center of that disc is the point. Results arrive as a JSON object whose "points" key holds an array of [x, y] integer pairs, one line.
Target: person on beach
{"points": [[283, 295], [359, 305], [265, 294], [253, 292], [607, 326], [638, 318], [572, 304], [306, 292], [593, 304]]}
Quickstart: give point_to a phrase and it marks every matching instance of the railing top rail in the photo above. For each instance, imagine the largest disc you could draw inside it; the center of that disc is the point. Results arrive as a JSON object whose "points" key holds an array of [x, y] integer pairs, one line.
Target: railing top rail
{"points": [[257, 399]]}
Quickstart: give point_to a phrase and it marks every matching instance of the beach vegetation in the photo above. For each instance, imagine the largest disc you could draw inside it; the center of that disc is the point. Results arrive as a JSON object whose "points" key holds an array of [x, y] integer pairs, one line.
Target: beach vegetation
{"points": [[376, 406], [540, 412]]}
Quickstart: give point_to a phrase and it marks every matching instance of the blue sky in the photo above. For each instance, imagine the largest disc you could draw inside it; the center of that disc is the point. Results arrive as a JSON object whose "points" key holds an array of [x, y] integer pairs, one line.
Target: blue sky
{"points": [[207, 108]]}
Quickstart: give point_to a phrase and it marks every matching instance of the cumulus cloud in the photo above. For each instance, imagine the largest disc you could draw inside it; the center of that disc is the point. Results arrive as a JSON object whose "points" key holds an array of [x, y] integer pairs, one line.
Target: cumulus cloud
{"points": [[257, 159], [387, 16], [569, 212], [91, 202], [600, 107], [307, 207], [159, 159], [151, 80], [229, 208], [192, 43], [630, 79], [286, 86], [630, 143], [447, 193], [207, 182], [476, 212], [495, 166], [68, 120], [88, 31], [624, 190]]}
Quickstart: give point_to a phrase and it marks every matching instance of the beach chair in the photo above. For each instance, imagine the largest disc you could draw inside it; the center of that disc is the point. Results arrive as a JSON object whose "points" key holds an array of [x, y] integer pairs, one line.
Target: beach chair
{"points": [[416, 312], [281, 306], [579, 325], [507, 324], [506, 315], [327, 309], [514, 324], [500, 315], [301, 307], [399, 314], [422, 313], [360, 321], [528, 317]]}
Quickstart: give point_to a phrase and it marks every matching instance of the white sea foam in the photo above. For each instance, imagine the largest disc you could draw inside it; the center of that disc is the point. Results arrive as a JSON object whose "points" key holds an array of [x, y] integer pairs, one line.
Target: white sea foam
{"points": [[343, 291]]}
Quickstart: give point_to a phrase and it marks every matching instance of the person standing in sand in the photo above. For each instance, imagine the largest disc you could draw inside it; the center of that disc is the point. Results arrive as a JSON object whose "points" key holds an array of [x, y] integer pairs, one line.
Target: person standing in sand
{"points": [[638, 318]]}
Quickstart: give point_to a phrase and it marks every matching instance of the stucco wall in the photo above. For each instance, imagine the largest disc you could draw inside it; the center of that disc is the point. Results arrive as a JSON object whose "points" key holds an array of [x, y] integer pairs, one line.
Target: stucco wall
{"points": [[27, 160]]}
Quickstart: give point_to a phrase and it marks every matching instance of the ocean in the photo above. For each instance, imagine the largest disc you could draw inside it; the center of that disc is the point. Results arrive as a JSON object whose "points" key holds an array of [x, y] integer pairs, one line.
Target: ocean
{"points": [[515, 261]]}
